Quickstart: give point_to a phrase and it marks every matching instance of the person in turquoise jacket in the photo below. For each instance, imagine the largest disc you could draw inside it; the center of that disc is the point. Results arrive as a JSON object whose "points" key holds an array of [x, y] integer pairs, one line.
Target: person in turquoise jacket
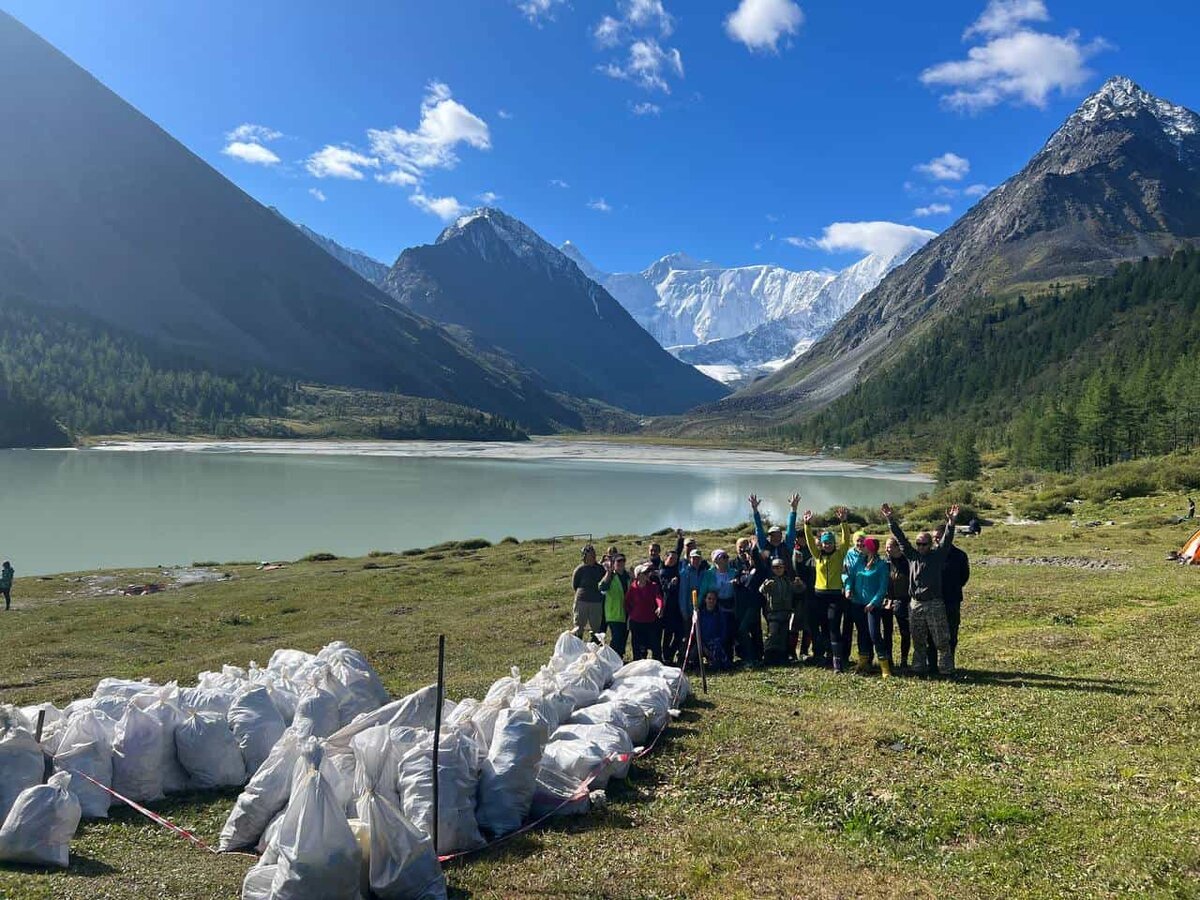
{"points": [[867, 591], [692, 578], [850, 622]]}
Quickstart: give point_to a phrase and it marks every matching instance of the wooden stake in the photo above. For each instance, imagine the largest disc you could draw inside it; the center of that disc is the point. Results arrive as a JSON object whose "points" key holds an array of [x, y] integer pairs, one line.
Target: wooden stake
{"points": [[437, 734]]}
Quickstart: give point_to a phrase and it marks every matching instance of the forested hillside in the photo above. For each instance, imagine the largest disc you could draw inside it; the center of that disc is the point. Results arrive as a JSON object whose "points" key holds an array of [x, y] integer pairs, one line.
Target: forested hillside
{"points": [[1085, 376]]}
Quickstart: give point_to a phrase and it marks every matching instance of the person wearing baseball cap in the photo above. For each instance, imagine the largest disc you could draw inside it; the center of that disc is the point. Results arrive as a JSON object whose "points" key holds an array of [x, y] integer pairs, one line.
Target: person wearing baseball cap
{"points": [[692, 574], [830, 607]]}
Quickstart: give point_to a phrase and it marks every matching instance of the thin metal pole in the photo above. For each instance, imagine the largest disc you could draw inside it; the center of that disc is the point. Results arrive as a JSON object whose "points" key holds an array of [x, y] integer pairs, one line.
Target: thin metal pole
{"points": [[699, 643], [437, 733]]}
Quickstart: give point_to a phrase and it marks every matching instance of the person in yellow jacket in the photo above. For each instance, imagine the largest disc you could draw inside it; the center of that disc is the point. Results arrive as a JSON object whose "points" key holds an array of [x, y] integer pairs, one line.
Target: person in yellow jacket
{"points": [[830, 610]]}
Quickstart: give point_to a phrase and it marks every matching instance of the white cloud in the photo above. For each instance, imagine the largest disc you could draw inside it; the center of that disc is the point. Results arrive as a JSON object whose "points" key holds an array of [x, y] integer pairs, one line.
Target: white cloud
{"points": [[558, 183], [318, 195], [504, 114], [648, 14], [445, 208], [759, 24], [947, 167], [339, 162], [1004, 16], [397, 177], [933, 209], [1017, 63], [883, 238], [608, 31], [600, 205], [250, 153], [976, 190], [537, 10], [488, 198], [645, 109], [648, 65], [445, 123], [253, 134]]}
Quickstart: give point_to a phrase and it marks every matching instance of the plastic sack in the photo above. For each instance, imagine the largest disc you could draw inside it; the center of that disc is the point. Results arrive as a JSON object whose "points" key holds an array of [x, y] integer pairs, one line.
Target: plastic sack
{"points": [[318, 857], [265, 795], [609, 658], [401, 860], [498, 697], [257, 725], [508, 775], [137, 756], [230, 678], [459, 757], [556, 793], [566, 650], [653, 695], [290, 663], [199, 699], [85, 748], [415, 710], [163, 704], [365, 692], [555, 706], [676, 680], [584, 750], [112, 706], [257, 883], [283, 694], [122, 688], [319, 709], [583, 679], [208, 752], [622, 712], [40, 825], [21, 762]]}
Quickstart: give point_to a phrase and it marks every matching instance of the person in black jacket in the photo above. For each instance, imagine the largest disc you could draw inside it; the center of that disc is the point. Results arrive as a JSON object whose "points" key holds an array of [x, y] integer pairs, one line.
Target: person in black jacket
{"points": [[955, 575], [672, 621], [752, 568]]}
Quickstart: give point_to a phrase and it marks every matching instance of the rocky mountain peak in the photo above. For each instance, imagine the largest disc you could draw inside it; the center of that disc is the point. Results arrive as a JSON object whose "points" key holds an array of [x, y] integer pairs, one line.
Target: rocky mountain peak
{"points": [[1120, 102]]}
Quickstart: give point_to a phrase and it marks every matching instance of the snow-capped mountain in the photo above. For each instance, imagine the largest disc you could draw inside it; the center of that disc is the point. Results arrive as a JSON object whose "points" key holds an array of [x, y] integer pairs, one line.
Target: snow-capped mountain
{"points": [[367, 266], [733, 323]]}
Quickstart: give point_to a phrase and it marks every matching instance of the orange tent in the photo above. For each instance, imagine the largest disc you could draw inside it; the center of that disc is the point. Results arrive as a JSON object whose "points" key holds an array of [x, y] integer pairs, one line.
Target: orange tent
{"points": [[1190, 552]]}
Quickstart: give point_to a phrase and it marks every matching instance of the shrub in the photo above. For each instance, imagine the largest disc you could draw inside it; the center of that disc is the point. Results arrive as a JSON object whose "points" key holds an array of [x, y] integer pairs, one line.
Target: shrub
{"points": [[322, 556], [1040, 507], [509, 540], [375, 554], [474, 544]]}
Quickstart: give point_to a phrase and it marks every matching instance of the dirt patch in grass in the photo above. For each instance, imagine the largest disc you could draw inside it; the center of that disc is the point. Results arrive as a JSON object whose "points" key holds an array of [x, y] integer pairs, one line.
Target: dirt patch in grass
{"points": [[1062, 562]]}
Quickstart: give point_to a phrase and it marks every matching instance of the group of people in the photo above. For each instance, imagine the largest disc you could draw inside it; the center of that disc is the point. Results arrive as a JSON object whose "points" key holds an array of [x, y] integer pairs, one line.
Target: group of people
{"points": [[819, 597]]}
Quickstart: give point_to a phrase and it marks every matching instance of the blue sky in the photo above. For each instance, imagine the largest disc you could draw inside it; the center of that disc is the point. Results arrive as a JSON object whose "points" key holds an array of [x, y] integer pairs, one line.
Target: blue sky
{"points": [[635, 128]]}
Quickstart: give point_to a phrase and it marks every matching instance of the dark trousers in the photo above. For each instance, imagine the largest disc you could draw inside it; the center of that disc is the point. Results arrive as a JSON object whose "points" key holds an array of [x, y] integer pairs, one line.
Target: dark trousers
{"points": [[748, 612], [953, 618], [647, 638], [618, 635], [858, 619], [841, 625], [776, 651], [7, 598], [879, 623], [820, 606], [672, 630], [730, 619], [900, 612]]}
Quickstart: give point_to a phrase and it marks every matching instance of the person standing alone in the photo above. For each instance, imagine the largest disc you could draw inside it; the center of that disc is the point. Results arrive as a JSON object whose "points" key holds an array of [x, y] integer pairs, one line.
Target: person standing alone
{"points": [[589, 598], [6, 581]]}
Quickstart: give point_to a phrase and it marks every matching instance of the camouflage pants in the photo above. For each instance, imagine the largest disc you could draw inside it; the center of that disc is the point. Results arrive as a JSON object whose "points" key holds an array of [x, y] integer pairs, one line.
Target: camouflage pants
{"points": [[927, 620]]}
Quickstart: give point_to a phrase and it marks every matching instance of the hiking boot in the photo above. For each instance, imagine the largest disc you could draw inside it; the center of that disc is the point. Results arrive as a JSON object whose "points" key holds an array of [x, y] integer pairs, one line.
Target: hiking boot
{"points": [[837, 665], [863, 666], [885, 667]]}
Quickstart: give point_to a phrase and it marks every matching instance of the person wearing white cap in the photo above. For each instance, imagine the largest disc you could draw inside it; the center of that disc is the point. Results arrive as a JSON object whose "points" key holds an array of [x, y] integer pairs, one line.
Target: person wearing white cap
{"points": [[723, 581], [691, 581]]}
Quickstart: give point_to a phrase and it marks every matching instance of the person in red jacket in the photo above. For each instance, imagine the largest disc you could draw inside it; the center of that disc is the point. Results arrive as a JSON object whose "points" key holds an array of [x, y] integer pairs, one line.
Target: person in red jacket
{"points": [[644, 607]]}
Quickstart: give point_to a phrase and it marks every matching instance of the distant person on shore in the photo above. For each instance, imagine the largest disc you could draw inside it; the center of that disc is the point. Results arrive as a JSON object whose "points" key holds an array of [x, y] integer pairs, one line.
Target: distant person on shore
{"points": [[614, 584], [588, 613], [6, 582], [830, 606], [780, 599], [898, 600], [672, 620], [644, 609], [927, 611], [868, 594], [955, 575], [752, 568], [712, 633]]}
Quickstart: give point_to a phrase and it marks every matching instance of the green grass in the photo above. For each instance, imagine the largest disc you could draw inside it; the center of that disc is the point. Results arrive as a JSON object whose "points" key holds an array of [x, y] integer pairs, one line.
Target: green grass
{"points": [[1064, 762]]}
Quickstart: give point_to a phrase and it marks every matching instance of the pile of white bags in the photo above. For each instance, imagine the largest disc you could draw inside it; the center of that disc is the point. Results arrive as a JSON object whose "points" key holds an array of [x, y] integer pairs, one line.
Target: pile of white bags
{"points": [[459, 758], [208, 752], [87, 747], [257, 725], [137, 757], [21, 762], [38, 829], [509, 771]]}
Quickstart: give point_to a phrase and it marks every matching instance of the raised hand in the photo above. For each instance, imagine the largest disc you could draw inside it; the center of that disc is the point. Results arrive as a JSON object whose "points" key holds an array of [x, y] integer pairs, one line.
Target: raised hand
{"points": [[952, 513], [794, 501], [842, 513], [754, 502], [886, 509], [808, 516]]}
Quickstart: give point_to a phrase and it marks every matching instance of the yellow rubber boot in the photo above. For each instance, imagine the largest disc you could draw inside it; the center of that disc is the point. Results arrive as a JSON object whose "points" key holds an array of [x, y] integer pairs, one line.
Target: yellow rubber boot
{"points": [[885, 666]]}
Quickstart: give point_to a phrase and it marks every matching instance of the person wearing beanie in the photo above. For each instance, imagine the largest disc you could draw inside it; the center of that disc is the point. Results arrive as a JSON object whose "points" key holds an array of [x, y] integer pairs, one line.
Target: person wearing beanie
{"points": [[927, 610], [780, 599], [722, 580], [868, 592], [644, 608], [830, 606]]}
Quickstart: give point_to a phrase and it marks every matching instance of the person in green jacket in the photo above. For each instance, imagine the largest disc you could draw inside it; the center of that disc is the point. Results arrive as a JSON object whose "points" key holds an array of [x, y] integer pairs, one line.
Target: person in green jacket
{"points": [[6, 580], [781, 603], [613, 585]]}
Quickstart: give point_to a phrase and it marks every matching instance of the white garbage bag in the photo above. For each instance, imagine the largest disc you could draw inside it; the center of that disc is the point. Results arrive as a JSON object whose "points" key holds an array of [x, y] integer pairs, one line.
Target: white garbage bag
{"points": [[622, 712], [112, 706], [290, 663], [86, 748], [21, 761], [265, 795], [201, 699], [365, 690], [402, 864], [125, 689], [459, 758], [566, 650], [283, 694], [319, 709], [137, 756], [257, 725], [555, 706], [609, 658], [40, 825], [163, 704], [583, 679], [230, 678], [653, 695], [53, 716], [209, 752], [498, 697], [558, 794], [583, 750], [319, 858], [509, 772], [676, 680], [415, 711], [257, 883]]}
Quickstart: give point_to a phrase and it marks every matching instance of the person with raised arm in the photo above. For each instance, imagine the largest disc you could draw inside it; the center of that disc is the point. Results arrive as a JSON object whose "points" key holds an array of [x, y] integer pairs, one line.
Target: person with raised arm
{"points": [[774, 540], [927, 610], [830, 606]]}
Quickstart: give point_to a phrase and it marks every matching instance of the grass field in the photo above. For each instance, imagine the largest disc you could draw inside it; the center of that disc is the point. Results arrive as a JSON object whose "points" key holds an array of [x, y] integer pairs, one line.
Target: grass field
{"points": [[1063, 762]]}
